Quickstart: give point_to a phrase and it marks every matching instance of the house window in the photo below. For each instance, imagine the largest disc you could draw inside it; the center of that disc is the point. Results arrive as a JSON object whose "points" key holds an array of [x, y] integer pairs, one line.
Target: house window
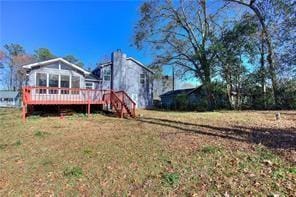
{"points": [[89, 85], [75, 84], [8, 99], [142, 79], [107, 74], [54, 83], [41, 81], [65, 83]]}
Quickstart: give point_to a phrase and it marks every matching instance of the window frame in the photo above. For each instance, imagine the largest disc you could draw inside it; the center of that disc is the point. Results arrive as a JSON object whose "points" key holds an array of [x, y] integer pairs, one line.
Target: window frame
{"points": [[143, 79], [53, 91], [107, 73], [41, 90], [92, 85], [59, 90], [79, 84]]}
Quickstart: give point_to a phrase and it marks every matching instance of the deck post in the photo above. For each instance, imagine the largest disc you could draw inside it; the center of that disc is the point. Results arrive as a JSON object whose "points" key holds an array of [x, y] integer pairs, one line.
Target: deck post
{"points": [[88, 103], [24, 112], [121, 112], [24, 105]]}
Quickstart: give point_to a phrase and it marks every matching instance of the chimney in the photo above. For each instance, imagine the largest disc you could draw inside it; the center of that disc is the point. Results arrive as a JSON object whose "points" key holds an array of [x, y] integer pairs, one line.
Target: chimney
{"points": [[118, 70]]}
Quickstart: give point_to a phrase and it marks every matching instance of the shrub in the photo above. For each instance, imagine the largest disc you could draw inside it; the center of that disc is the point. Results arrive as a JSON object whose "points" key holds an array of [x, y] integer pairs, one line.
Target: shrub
{"points": [[40, 134], [171, 179], [73, 172], [182, 102]]}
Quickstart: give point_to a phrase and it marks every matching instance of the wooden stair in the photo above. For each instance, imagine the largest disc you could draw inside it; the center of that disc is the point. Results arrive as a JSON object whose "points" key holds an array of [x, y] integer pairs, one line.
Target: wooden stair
{"points": [[121, 103]]}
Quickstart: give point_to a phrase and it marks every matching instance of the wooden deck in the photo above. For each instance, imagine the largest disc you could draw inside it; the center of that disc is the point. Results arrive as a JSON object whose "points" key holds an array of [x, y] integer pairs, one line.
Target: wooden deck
{"points": [[120, 101]]}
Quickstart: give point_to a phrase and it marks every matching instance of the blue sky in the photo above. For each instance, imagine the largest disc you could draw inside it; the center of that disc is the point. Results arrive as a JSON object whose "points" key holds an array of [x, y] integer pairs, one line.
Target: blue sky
{"points": [[89, 30]]}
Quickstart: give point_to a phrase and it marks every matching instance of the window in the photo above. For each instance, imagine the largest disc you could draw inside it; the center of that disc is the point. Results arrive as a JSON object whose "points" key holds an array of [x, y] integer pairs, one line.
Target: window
{"points": [[65, 83], [75, 83], [107, 74], [53, 82], [142, 79], [89, 85], [41, 81], [8, 99]]}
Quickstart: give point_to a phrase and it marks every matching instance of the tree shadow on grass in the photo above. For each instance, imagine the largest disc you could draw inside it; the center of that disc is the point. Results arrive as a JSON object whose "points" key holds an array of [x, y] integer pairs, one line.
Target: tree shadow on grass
{"points": [[275, 138]]}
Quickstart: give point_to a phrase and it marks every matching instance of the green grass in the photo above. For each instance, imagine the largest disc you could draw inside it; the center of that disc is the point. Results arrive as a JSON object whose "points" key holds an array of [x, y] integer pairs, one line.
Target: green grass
{"points": [[73, 172], [40, 134], [161, 154], [171, 179]]}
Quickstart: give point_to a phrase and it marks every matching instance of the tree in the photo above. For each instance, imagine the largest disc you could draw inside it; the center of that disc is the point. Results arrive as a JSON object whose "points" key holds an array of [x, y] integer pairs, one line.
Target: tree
{"points": [[43, 54], [182, 34], [236, 45], [268, 10], [13, 50], [19, 71], [74, 60]]}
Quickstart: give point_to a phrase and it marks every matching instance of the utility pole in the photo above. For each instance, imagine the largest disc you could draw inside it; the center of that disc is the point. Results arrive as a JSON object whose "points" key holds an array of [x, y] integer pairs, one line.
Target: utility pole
{"points": [[173, 72]]}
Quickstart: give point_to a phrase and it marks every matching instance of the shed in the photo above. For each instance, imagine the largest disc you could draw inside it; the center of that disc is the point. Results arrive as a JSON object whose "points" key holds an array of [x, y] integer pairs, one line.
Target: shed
{"points": [[9, 98]]}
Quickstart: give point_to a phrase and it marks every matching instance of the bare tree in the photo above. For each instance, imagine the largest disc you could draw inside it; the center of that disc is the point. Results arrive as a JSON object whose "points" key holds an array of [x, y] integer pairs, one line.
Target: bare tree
{"points": [[181, 33]]}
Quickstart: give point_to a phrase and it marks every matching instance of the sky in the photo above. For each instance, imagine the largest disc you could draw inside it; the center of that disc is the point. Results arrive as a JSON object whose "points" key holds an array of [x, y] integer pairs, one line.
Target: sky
{"points": [[89, 30]]}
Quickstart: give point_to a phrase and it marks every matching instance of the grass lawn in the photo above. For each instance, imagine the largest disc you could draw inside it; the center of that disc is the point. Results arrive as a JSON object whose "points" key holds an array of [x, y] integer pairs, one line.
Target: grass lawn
{"points": [[160, 153]]}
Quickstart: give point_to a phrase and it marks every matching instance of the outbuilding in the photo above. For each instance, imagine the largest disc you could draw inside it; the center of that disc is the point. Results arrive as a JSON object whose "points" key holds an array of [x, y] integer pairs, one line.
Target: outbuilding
{"points": [[9, 98]]}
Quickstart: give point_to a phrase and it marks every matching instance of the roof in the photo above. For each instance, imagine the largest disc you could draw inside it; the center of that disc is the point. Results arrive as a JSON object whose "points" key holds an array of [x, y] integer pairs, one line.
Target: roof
{"points": [[91, 77], [129, 58], [105, 64], [140, 64], [8, 94], [187, 91], [29, 66]]}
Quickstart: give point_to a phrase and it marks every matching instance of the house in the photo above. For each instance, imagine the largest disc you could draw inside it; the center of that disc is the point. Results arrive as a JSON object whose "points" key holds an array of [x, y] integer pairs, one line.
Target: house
{"points": [[122, 73], [59, 73], [194, 99], [129, 75], [9, 98], [120, 85]]}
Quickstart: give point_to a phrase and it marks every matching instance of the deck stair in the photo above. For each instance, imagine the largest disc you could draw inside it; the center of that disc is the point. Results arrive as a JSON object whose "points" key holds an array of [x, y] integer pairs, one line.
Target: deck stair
{"points": [[122, 104]]}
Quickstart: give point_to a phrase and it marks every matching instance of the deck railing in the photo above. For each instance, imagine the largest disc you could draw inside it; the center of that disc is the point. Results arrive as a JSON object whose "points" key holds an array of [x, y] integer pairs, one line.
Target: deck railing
{"points": [[53, 95]]}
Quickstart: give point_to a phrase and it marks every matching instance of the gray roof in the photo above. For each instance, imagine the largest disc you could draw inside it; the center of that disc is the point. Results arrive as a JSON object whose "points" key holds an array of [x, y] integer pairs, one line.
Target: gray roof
{"points": [[91, 77], [181, 91], [8, 94], [128, 58]]}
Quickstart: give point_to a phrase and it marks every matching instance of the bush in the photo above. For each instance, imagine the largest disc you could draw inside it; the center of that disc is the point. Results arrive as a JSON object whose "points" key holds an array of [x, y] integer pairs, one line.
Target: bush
{"points": [[73, 172], [182, 102], [171, 179]]}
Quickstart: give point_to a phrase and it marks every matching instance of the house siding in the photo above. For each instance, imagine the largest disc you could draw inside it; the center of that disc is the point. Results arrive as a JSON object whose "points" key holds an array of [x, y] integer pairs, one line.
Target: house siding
{"points": [[54, 69], [125, 75]]}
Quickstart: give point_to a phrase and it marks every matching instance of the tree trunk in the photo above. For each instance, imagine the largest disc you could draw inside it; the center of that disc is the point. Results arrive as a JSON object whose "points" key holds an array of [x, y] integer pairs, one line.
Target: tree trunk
{"points": [[229, 90], [209, 92], [271, 69], [262, 71]]}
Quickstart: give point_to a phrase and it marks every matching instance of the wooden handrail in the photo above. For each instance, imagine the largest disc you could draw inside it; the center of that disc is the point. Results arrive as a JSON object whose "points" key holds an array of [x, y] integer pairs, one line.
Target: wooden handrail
{"points": [[127, 96]]}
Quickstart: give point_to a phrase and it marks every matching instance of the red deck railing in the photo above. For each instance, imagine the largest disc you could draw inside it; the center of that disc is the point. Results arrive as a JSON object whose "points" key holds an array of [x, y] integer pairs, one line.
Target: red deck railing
{"points": [[119, 100], [62, 96]]}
